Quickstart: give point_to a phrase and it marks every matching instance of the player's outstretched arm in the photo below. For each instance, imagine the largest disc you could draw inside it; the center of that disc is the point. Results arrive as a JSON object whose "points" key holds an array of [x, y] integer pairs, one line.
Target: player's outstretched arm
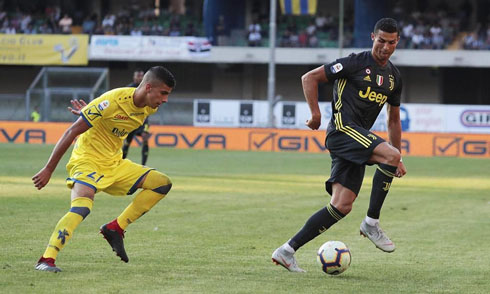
{"points": [[310, 81], [395, 135], [42, 178], [77, 106]]}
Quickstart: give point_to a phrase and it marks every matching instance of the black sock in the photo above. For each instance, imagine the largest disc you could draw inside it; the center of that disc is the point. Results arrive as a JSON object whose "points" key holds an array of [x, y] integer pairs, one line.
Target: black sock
{"points": [[144, 153], [381, 185], [315, 225], [127, 142], [125, 149]]}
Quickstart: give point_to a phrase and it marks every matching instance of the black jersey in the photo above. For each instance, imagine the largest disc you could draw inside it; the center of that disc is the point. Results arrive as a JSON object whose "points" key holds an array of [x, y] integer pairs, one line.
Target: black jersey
{"points": [[361, 89]]}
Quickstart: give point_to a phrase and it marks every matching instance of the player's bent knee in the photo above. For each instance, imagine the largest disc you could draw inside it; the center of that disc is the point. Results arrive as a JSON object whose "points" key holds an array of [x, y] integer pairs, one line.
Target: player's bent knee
{"points": [[157, 182], [81, 206], [344, 208], [394, 157], [163, 189]]}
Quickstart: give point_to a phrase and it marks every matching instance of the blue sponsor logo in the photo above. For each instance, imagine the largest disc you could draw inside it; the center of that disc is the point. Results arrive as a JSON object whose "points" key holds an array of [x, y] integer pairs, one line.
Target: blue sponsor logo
{"points": [[404, 118], [107, 42]]}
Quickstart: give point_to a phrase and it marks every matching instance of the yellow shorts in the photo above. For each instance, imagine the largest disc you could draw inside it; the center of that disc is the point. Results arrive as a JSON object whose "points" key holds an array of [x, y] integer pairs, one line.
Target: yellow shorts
{"points": [[118, 180]]}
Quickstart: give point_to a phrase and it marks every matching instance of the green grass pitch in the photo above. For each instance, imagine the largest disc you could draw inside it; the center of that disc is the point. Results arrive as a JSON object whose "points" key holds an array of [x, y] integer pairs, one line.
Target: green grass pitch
{"points": [[227, 212]]}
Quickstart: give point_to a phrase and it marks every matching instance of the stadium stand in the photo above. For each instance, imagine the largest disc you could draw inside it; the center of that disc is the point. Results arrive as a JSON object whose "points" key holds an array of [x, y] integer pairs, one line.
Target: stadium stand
{"points": [[425, 27], [236, 70]]}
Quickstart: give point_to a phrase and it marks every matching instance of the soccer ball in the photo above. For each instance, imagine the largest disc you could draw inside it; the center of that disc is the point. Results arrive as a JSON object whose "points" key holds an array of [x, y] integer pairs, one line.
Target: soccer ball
{"points": [[334, 257]]}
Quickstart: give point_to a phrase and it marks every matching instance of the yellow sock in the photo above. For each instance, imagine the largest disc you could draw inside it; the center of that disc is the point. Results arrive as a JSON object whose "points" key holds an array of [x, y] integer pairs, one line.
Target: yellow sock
{"points": [[80, 208], [155, 188]]}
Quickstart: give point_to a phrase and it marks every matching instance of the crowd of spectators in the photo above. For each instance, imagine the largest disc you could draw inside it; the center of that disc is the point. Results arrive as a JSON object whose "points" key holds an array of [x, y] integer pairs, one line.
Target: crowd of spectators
{"points": [[478, 39], [300, 31], [433, 30], [440, 28], [124, 22]]}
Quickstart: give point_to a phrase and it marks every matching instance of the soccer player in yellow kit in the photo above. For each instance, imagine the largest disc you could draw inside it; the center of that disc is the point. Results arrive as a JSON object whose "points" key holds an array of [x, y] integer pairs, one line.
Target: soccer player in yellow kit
{"points": [[96, 163]]}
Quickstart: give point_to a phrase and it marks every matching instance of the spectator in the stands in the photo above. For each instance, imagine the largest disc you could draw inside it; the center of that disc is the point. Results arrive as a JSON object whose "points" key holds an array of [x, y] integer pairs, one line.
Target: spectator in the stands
{"points": [[303, 39], [174, 31], [254, 36], [88, 25], [417, 40], [65, 24], [313, 41], [136, 31], [156, 29], [320, 21], [45, 29], [25, 21], [109, 20], [294, 39], [284, 40], [8, 27], [311, 28]]}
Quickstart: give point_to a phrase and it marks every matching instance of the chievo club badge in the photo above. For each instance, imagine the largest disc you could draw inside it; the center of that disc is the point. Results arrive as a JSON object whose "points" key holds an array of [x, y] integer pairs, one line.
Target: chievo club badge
{"points": [[379, 80]]}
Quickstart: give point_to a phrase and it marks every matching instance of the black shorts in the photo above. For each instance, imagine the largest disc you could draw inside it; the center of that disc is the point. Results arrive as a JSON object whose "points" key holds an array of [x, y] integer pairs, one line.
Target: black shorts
{"points": [[350, 149]]}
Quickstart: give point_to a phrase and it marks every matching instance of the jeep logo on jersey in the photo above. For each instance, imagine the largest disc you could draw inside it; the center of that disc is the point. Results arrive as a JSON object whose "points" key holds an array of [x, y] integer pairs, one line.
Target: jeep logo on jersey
{"points": [[289, 114], [246, 113], [203, 112], [373, 96], [119, 133]]}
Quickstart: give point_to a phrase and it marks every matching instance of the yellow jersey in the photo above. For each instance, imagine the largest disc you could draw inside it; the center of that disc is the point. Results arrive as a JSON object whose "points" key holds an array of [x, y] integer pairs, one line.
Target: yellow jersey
{"points": [[111, 117]]}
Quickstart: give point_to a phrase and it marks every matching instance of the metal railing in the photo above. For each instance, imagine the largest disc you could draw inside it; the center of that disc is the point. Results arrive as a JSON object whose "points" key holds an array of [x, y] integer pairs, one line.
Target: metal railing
{"points": [[64, 82]]}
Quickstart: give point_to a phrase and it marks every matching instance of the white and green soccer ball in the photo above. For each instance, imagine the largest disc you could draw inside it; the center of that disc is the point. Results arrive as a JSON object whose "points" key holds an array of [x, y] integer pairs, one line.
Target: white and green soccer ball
{"points": [[334, 257]]}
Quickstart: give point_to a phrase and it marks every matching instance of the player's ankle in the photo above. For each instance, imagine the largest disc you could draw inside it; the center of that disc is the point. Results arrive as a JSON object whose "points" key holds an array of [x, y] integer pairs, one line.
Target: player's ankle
{"points": [[371, 221], [114, 225]]}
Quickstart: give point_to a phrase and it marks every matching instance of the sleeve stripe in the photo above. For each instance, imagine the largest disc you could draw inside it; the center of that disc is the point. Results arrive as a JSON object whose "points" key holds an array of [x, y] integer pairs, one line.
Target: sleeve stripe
{"points": [[85, 119]]}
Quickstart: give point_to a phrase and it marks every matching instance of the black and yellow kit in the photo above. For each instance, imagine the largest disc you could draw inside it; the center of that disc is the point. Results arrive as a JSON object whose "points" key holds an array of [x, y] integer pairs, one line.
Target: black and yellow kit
{"points": [[361, 88]]}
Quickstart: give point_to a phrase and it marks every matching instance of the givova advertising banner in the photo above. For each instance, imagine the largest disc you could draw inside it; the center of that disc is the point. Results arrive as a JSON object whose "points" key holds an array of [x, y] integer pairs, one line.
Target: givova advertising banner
{"points": [[257, 139], [148, 48], [44, 49]]}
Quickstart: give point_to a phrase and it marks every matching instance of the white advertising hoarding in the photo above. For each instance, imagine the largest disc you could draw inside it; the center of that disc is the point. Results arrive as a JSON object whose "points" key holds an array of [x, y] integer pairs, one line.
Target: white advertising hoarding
{"points": [[230, 113], [147, 48], [433, 118], [439, 118], [293, 115]]}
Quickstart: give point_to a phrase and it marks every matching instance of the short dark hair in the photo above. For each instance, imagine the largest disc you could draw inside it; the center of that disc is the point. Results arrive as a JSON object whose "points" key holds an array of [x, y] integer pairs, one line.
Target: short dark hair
{"points": [[164, 75], [388, 25]]}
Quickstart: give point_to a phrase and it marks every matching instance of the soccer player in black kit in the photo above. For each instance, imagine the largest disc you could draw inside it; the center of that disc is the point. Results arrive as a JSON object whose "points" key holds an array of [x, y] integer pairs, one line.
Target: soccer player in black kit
{"points": [[363, 83], [143, 130]]}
